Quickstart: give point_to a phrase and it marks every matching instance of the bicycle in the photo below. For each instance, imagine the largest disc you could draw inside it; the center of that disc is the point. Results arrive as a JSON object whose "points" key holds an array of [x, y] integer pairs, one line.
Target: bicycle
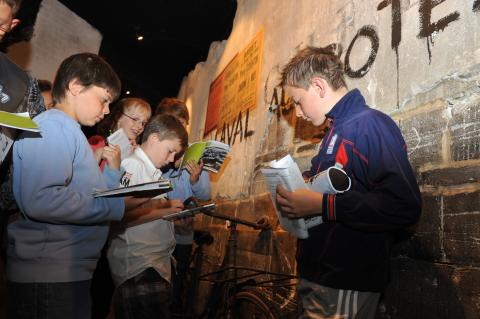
{"points": [[236, 291]]}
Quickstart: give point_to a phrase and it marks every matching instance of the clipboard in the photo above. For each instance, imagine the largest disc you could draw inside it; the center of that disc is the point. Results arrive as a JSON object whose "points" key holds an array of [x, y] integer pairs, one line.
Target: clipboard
{"points": [[188, 212]]}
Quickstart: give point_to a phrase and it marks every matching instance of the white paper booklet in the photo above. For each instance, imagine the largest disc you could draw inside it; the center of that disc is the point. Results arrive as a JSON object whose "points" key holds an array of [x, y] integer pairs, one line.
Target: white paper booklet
{"points": [[286, 173], [121, 139], [149, 189]]}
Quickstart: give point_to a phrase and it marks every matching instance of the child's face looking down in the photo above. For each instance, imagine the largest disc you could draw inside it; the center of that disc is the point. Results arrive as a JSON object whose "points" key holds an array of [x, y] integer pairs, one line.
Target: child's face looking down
{"points": [[91, 104], [163, 153], [133, 121], [308, 104]]}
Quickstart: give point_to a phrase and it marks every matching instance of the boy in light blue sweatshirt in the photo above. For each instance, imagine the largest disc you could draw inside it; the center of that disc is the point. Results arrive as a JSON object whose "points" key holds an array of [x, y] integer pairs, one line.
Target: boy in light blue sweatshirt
{"points": [[55, 244]]}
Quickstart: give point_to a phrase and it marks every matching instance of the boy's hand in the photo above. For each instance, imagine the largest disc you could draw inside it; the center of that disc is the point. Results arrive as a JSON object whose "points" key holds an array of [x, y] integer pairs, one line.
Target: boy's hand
{"points": [[169, 207], [194, 169], [176, 205], [112, 154], [157, 203], [300, 203], [178, 162]]}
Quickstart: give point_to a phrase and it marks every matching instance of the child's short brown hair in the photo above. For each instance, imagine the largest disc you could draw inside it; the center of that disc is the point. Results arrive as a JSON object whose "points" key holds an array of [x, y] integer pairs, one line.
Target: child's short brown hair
{"points": [[173, 106], [89, 69], [167, 127], [313, 62], [44, 85]]}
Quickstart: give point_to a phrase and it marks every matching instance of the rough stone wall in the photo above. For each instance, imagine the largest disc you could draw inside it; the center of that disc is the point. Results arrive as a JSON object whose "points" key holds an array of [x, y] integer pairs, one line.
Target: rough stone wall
{"points": [[417, 61], [58, 33]]}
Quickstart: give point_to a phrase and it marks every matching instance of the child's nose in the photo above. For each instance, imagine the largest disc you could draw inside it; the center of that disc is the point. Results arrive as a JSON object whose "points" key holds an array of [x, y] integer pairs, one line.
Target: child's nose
{"points": [[171, 158]]}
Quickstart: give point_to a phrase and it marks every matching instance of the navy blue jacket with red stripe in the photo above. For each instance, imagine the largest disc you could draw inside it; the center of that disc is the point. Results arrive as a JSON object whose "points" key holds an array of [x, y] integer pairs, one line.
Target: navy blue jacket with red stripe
{"points": [[350, 250]]}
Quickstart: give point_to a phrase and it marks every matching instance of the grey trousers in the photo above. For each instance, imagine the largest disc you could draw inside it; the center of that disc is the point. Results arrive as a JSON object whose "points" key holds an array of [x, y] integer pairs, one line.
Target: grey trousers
{"points": [[320, 302]]}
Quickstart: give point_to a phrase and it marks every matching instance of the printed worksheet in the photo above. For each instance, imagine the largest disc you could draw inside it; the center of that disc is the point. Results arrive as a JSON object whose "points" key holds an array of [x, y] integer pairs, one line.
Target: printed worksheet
{"points": [[286, 173], [121, 139]]}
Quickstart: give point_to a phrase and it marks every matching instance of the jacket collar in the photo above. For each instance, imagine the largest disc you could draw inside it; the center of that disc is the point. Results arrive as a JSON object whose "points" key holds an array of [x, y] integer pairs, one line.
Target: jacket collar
{"points": [[350, 104]]}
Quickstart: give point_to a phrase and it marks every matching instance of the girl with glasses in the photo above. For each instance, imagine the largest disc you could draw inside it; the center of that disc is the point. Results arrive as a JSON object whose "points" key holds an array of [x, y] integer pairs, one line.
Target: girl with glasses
{"points": [[130, 114]]}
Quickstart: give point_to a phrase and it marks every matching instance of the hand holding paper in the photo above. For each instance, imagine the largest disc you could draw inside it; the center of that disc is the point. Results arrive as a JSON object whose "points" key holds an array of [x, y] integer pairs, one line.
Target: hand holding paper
{"points": [[194, 169], [111, 153], [212, 153], [296, 199], [120, 138], [174, 206], [299, 203]]}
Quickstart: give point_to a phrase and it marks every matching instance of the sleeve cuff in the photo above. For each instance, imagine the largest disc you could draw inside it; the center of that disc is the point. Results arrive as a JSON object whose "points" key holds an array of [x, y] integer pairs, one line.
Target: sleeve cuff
{"points": [[201, 189], [117, 208], [113, 176], [328, 208]]}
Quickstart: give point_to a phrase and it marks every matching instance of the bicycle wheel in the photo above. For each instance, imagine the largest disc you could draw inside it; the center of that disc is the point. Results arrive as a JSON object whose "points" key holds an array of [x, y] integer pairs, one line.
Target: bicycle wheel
{"points": [[251, 304]]}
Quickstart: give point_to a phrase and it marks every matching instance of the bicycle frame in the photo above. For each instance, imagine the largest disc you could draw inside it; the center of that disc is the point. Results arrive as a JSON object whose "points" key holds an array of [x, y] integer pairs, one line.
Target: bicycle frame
{"points": [[232, 285], [226, 280]]}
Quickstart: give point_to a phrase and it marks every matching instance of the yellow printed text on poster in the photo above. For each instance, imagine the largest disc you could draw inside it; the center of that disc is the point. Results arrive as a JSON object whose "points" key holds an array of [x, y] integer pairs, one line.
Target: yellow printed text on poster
{"points": [[241, 78]]}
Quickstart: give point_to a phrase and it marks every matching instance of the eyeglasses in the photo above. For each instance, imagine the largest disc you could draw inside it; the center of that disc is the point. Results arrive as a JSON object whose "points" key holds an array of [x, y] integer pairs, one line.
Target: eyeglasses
{"points": [[136, 120]]}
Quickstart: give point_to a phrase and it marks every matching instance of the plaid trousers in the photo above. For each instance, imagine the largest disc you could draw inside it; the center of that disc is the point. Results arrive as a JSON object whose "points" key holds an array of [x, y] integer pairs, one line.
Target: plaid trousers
{"points": [[147, 295]]}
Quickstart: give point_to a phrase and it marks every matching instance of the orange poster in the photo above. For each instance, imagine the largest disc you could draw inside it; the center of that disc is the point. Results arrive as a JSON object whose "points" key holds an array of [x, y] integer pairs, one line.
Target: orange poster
{"points": [[213, 107], [235, 89]]}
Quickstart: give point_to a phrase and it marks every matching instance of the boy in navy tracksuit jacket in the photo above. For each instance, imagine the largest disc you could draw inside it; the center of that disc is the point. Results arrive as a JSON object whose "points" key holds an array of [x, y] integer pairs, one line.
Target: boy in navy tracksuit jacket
{"points": [[343, 264]]}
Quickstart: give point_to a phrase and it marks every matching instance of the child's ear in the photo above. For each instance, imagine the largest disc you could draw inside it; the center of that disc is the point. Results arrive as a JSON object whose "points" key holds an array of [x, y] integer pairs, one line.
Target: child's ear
{"points": [[320, 86], [75, 87], [153, 137], [14, 23]]}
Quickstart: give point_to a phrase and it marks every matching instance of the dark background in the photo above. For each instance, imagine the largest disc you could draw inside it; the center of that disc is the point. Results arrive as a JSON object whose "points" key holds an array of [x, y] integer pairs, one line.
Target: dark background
{"points": [[177, 35]]}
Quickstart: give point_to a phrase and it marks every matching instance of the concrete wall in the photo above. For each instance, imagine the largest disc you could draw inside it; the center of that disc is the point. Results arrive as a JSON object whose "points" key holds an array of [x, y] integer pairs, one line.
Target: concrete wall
{"points": [[417, 61], [58, 33]]}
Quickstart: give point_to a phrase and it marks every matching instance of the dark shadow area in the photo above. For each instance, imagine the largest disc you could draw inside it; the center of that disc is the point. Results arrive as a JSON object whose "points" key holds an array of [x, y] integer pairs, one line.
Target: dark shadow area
{"points": [[420, 288], [176, 36]]}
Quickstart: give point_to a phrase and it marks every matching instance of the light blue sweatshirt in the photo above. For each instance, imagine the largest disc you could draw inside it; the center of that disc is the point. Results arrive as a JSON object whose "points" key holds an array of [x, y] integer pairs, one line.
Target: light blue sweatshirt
{"points": [[183, 189], [63, 227]]}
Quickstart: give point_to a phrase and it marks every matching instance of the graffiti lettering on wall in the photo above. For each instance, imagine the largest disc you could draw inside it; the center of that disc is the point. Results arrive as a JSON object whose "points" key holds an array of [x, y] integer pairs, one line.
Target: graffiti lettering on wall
{"points": [[229, 132], [428, 29], [369, 33], [278, 102]]}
